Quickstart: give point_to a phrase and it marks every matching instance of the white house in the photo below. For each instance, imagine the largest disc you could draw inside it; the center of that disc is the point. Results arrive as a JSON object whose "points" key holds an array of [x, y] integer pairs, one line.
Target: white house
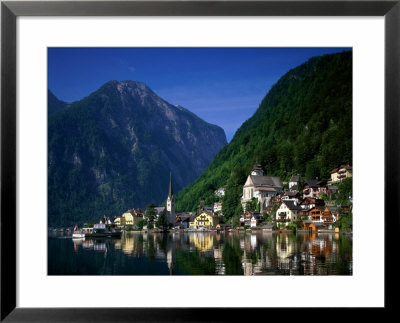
{"points": [[220, 192], [217, 207], [288, 211], [294, 183]]}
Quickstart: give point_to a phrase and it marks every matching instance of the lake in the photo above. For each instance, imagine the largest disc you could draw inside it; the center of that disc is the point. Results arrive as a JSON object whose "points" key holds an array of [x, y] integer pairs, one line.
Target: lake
{"points": [[202, 253]]}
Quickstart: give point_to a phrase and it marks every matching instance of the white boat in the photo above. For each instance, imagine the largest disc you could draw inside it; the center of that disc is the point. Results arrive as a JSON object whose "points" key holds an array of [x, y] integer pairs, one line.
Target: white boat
{"points": [[78, 234]]}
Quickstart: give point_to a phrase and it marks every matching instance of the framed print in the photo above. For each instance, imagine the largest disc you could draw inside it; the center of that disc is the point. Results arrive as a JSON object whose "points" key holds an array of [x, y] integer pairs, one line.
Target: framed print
{"points": [[101, 241]]}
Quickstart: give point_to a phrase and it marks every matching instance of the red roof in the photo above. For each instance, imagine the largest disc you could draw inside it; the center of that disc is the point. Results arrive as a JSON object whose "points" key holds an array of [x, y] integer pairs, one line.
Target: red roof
{"points": [[340, 167]]}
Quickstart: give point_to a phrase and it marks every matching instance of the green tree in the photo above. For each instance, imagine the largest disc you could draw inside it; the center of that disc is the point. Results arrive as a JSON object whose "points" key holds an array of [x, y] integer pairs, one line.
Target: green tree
{"points": [[162, 222], [345, 220], [149, 215], [345, 190], [140, 224], [231, 202], [267, 218], [253, 205]]}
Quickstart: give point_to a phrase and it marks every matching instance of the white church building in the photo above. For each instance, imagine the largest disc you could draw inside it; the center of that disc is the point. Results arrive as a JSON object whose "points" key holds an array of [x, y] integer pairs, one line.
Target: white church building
{"points": [[261, 187]]}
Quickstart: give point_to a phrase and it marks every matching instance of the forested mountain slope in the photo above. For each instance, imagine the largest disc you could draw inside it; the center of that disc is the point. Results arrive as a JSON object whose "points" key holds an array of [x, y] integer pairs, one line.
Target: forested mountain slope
{"points": [[302, 126]]}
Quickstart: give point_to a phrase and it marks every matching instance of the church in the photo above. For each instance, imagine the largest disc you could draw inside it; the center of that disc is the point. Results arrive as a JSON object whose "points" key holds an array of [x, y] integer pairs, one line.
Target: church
{"points": [[171, 216], [261, 187]]}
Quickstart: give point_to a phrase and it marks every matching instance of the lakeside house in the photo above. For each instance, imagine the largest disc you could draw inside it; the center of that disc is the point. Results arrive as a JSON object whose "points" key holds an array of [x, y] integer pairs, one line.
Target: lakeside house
{"points": [[130, 217], [251, 219], [127, 218], [312, 226], [183, 220], [288, 211], [316, 214], [205, 219]]}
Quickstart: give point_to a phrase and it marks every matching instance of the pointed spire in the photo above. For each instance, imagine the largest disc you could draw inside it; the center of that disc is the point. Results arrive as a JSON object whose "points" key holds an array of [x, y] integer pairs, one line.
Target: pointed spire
{"points": [[170, 192]]}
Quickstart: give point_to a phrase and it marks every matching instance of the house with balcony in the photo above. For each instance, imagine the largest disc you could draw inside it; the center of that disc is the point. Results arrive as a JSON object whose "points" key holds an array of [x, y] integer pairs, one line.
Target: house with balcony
{"points": [[328, 218], [251, 219], [313, 187], [204, 219], [288, 211], [319, 218], [310, 202], [290, 196], [316, 214], [338, 174]]}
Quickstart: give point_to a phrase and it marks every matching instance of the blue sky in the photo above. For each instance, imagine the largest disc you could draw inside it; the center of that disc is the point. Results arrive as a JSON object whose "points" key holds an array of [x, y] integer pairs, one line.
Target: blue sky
{"points": [[223, 86]]}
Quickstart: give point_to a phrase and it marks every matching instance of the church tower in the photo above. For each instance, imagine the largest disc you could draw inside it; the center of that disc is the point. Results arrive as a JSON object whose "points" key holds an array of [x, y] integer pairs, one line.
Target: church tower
{"points": [[257, 170], [170, 203]]}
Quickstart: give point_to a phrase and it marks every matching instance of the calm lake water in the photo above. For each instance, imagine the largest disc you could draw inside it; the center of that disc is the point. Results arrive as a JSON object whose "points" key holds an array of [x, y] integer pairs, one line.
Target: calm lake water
{"points": [[202, 253]]}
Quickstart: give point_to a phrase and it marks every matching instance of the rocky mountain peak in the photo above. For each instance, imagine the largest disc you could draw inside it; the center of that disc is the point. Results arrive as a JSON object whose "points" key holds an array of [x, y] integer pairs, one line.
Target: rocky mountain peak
{"points": [[118, 145]]}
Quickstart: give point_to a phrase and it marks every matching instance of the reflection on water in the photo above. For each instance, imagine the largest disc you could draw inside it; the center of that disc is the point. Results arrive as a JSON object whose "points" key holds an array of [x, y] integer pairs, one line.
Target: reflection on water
{"points": [[202, 253]]}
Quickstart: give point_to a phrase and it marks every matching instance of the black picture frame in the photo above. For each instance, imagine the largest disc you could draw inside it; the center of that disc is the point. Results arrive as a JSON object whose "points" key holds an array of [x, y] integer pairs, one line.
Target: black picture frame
{"points": [[10, 10]]}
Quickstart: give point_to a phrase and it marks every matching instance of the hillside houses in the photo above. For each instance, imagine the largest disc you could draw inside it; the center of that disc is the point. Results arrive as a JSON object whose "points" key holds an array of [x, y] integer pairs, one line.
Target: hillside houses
{"points": [[340, 173], [294, 183], [313, 188], [307, 205]]}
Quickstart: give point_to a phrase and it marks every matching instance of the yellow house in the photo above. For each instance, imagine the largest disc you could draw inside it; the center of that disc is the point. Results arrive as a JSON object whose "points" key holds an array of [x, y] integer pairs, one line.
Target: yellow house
{"points": [[340, 173], [127, 218], [204, 220], [131, 217]]}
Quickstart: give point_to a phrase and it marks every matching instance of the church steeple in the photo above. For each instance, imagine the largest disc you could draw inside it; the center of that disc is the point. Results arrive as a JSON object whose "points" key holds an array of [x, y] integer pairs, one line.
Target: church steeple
{"points": [[170, 191], [171, 218], [257, 170]]}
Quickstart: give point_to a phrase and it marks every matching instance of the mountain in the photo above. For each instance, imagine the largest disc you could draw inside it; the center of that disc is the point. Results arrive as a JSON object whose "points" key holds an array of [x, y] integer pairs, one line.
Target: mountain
{"points": [[302, 126], [114, 150], [54, 104]]}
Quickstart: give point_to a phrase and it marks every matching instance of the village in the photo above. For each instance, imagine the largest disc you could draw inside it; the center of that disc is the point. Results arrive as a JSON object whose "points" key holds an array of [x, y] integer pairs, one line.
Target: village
{"points": [[305, 205]]}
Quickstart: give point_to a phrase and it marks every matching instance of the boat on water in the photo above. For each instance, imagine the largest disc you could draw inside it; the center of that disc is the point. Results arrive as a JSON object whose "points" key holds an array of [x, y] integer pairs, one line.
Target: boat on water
{"points": [[102, 230], [99, 230], [78, 234]]}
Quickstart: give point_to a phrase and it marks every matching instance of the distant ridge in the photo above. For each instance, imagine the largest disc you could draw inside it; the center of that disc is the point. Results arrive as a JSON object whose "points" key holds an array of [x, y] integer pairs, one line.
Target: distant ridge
{"points": [[54, 104]]}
